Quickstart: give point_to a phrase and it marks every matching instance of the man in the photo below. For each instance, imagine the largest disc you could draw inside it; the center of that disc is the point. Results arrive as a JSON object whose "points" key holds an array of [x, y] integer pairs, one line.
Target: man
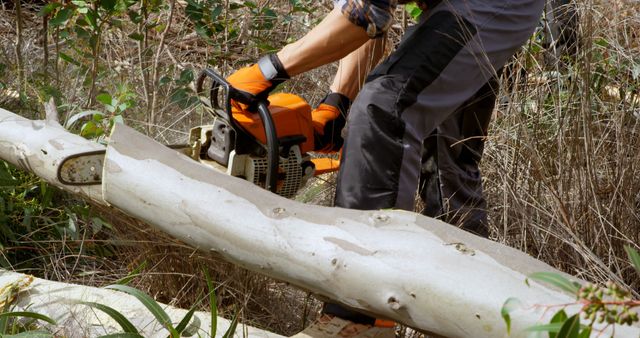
{"points": [[450, 56], [450, 183]]}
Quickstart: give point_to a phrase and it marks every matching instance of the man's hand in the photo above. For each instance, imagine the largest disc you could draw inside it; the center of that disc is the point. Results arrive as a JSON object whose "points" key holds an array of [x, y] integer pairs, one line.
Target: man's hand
{"points": [[255, 82], [329, 119]]}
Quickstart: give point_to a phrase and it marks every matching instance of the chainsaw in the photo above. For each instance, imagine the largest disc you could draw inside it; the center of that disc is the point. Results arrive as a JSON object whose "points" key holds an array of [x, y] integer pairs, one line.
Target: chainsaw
{"points": [[268, 144]]}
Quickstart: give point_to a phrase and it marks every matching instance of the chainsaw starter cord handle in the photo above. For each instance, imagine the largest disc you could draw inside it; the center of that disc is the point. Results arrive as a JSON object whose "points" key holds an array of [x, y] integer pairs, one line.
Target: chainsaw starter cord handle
{"points": [[273, 148]]}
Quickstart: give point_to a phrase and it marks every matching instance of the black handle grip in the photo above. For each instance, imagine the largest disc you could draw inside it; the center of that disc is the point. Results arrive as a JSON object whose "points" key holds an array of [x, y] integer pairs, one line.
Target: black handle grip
{"points": [[273, 147], [217, 83], [262, 106]]}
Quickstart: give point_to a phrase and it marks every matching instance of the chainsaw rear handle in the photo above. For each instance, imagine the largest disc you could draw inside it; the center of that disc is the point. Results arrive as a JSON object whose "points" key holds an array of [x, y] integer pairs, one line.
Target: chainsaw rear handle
{"points": [[262, 106]]}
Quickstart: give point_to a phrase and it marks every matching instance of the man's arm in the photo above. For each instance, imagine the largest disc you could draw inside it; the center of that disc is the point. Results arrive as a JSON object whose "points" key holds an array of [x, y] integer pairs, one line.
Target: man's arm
{"points": [[354, 67], [345, 29], [332, 39]]}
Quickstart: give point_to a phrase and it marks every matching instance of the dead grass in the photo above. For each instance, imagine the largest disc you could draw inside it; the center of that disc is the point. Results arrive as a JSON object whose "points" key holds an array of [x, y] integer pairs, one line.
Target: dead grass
{"points": [[562, 162]]}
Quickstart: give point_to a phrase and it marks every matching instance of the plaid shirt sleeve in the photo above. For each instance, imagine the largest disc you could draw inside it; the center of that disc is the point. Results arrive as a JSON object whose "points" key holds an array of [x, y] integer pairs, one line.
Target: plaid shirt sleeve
{"points": [[375, 16]]}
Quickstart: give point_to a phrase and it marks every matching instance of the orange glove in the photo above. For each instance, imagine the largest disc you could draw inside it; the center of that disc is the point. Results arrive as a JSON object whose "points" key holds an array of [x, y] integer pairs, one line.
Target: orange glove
{"points": [[254, 83], [328, 120]]}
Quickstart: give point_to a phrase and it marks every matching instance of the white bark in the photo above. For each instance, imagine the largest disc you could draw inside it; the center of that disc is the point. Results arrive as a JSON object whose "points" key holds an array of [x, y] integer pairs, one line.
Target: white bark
{"points": [[396, 264], [60, 301], [40, 146], [400, 265]]}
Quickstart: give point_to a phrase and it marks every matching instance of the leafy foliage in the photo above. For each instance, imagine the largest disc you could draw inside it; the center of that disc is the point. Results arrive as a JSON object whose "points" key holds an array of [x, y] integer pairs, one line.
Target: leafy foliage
{"points": [[31, 220], [188, 326], [608, 304]]}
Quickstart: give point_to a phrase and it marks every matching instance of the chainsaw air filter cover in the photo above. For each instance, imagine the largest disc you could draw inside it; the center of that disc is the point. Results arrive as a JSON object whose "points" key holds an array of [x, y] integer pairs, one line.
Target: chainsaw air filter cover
{"points": [[291, 115], [293, 171]]}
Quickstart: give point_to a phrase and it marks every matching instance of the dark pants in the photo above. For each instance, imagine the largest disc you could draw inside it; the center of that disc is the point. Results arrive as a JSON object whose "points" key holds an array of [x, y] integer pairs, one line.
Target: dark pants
{"points": [[440, 66], [450, 180]]}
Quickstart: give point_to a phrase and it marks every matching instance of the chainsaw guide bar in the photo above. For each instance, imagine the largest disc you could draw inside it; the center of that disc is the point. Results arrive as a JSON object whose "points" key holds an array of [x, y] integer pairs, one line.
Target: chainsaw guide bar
{"points": [[82, 168], [86, 168]]}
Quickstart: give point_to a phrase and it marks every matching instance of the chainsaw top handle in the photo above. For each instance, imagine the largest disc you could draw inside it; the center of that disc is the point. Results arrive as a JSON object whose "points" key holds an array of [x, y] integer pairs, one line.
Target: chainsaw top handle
{"points": [[217, 82], [262, 107]]}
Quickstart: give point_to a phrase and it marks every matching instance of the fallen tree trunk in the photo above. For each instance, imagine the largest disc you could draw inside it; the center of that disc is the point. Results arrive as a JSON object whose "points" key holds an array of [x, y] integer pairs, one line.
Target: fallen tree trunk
{"points": [[395, 264], [61, 302]]}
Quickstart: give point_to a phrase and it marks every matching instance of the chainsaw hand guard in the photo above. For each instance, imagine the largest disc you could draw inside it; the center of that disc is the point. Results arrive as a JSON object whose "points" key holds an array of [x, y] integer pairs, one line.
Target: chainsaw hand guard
{"points": [[262, 107], [254, 83]]}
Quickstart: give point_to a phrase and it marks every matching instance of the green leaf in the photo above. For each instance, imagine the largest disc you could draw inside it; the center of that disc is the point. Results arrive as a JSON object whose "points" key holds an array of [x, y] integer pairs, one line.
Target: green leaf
{"points": [[124, 323], [108, 5], [508, 306], [133, 274], [413, 10], [92, 19], [556, 280], [164, 80], [559, 317], [104, 98], [193, 328], [585, 333], [186, 76], [74, 118], [26, 314], [61, 17], [250, 4], [194, 11], [69, 59], [570, 328], [123, 106], [179, 96], [48, 8], [136, 36], [182, 326], [134, 16], [81, 32], [203, 30], [216, 11], [97, 118], [232, 328], [89, 129], [213, 306], [149, 303], [602, 42], [634, 257]]}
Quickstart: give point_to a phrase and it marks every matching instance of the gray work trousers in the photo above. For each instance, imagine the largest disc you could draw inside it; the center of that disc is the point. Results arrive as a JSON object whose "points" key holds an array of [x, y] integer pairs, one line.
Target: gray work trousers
{"points": [[438, 67], [450, 180]]}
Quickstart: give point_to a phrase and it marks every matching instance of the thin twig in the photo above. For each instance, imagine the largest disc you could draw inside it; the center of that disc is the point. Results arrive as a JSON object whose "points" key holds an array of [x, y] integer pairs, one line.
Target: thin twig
{"points": [[156, 59]]}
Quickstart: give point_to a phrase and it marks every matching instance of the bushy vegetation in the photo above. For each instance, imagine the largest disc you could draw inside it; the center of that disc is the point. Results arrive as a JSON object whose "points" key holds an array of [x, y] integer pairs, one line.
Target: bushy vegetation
{"points": [[561, 164]]}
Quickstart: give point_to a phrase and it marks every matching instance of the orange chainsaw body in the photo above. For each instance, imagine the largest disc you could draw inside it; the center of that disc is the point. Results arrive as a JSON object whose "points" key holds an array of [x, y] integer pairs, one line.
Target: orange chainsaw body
{"points": [[291, 115]]}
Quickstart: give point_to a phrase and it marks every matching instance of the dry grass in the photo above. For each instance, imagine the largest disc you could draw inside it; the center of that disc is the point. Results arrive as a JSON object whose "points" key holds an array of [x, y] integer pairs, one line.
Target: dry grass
{"points": [[561, 165]]}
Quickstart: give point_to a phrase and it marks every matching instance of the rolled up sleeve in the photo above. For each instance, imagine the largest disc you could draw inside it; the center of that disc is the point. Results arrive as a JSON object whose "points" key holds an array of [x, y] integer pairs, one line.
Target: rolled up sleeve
{"points": [[375, 16]]}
